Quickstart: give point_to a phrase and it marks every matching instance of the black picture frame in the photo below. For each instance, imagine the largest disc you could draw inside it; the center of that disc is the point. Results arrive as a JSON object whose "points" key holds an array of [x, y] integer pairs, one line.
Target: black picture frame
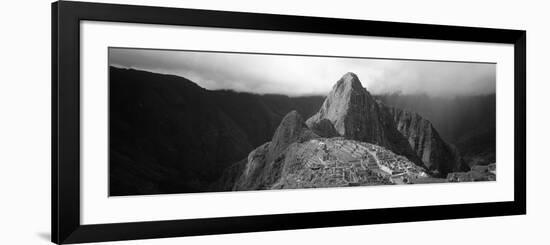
{"points": [[66, 17]]}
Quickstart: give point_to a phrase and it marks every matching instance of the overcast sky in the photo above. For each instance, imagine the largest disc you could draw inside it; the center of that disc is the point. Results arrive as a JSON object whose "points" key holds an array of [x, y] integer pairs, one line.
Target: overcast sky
{"points": [[301, 75]]}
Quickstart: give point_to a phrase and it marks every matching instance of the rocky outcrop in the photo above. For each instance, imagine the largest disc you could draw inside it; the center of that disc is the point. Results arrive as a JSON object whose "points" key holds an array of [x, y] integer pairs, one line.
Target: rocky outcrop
{"points": [[424, 139], [292, 129], [264, 164], [355, 114]]}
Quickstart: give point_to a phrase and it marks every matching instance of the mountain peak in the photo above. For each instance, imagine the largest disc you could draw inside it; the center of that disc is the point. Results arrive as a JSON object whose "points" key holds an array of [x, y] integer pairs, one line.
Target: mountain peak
{"points": [[293, 116], [355, 114], [291, 129], [350, 108], [348, 81]]}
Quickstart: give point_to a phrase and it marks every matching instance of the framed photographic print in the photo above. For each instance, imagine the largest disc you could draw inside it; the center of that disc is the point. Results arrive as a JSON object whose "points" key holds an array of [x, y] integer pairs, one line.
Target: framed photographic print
{"points": [[177, 122]]}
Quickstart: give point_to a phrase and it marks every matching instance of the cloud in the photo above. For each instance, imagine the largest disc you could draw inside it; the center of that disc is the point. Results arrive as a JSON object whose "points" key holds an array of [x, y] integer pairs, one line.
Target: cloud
{"points": [[306, 75]]}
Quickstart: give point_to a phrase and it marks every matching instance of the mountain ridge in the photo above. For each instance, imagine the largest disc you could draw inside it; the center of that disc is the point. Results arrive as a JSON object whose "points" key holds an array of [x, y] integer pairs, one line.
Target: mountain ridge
{"points": [[163, 125], [435, 153]]}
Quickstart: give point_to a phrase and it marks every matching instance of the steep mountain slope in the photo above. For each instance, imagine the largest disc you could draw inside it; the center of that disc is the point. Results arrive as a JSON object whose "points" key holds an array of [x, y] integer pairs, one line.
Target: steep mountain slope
{"points": [[170, 124], [355, 114], [168, 135], [297, 158], [264, 164], [435, 153]]}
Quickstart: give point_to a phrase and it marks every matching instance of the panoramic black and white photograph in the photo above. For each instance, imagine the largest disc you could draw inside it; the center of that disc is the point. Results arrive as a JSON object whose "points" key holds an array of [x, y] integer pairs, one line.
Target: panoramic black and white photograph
{"points": [[190, 121]]}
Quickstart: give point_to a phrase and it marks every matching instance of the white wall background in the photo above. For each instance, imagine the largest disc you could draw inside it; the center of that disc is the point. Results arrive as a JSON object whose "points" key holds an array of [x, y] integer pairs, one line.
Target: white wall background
{"points": [[25, 121]]}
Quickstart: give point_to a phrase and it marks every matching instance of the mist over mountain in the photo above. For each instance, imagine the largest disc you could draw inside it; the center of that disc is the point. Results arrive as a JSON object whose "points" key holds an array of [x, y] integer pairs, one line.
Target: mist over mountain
{"points": [[299, 75], [454, 117], [467, 122], [169, 135]]}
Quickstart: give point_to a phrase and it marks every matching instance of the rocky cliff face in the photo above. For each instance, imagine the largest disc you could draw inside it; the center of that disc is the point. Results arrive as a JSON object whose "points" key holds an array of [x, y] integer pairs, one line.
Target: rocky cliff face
{"points": [[292, 129], [435, 153], [355, 114]]}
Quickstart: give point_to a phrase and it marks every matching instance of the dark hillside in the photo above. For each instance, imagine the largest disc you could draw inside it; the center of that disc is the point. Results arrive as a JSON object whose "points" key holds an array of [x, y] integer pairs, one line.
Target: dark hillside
{"points": [[168, 135]]}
